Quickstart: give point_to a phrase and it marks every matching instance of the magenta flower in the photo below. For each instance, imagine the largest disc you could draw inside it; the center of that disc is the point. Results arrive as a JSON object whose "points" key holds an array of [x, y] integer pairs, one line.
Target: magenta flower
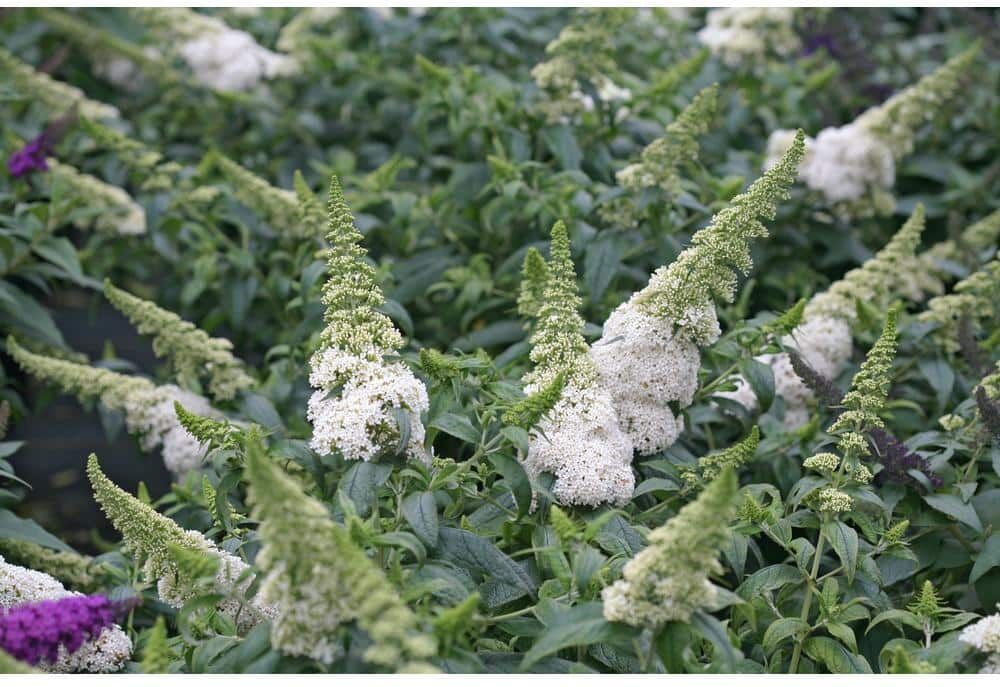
{"points": [[33, 632], [30, 158]]}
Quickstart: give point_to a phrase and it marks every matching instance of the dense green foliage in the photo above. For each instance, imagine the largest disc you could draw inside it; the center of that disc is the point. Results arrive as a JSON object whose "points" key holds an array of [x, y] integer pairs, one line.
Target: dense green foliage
{"points": [[420, 223]]}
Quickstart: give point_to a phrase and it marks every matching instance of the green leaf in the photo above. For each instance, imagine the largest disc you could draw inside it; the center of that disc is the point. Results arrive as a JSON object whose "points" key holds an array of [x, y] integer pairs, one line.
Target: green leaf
{"points": [[457, 426], [834, 656], [475, 553], [600, 263], [13, 527], [563, 145], [711, 629], [420, 511], [361, 482], [951, 505], [988, 558], [516, 478], [404, 540], [844, 541], [766, 579], [583, 625], [782, 629], [260, 410], [760, 377], [896, 615]]}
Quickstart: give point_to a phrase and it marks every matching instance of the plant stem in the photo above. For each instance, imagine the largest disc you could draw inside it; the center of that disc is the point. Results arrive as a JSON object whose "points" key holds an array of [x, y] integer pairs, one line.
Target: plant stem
{"points": [[807, 602]]}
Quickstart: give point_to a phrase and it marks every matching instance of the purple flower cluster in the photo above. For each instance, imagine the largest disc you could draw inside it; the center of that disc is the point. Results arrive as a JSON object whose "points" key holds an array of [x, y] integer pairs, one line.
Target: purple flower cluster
{"points": [[34, 632], [897, 460], [30, 158]]}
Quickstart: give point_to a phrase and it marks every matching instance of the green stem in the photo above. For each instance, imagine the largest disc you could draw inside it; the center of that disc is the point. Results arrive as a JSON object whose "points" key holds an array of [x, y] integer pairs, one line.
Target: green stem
{"points": [[807, 602]]}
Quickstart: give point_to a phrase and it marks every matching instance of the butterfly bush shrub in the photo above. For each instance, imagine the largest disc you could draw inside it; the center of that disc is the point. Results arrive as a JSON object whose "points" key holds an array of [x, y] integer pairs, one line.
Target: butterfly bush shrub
{"points": [[496, 340]]}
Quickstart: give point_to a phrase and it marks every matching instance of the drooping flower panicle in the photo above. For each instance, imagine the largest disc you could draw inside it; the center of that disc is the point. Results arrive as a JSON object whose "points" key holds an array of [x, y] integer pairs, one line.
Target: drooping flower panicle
{"points": [[853, 167], [660, 162], [155, 540], [669, 579], [318, 578], [648, 354], [149, 409], [54, 95], [191, 352]]}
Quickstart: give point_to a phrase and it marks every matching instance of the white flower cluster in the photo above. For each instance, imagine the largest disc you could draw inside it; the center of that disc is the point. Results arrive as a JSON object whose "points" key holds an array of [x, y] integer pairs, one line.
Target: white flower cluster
{"points": [[105, 654], [845, 164], [607, 92], [824, 343], [746, 35], [232, 580], [359, 420], [117, 211], [580, 442], [230, 60], [221, 57], [984, 634], [644, 363], [309, 619], [150, 413]]}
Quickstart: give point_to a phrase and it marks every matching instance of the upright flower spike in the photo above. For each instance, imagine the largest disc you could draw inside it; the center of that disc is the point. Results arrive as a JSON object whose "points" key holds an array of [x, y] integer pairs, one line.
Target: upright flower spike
{"points": [[662, 159], [276, 206], [853, 167], [114, 59], [363, 405], [866, 399], [105, 653], [578, 439], [156, 172], [711, 466], [669, 579], [534, 276], [824, 340], [220, 57], [311, 218], [745, 37], [931, 270], [666, 84], [191, 352], [79, 572], [583, 52], [876, 281], [319, 578], [117, 212], [154, 538], [149, 409], [55, 95], [648, 355], [977, 297]]}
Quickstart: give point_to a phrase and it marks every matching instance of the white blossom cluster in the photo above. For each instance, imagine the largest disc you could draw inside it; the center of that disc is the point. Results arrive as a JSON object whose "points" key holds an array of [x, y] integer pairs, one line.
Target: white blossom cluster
{"points": [[105, 654], [645, 363], [984, 634], [117, 212], [845, 164], [746, 35], [124, 73], [231, 60], [360, 420], [824, 343], [150, 414], [232, 580], [221, 57], [581, 443]]}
